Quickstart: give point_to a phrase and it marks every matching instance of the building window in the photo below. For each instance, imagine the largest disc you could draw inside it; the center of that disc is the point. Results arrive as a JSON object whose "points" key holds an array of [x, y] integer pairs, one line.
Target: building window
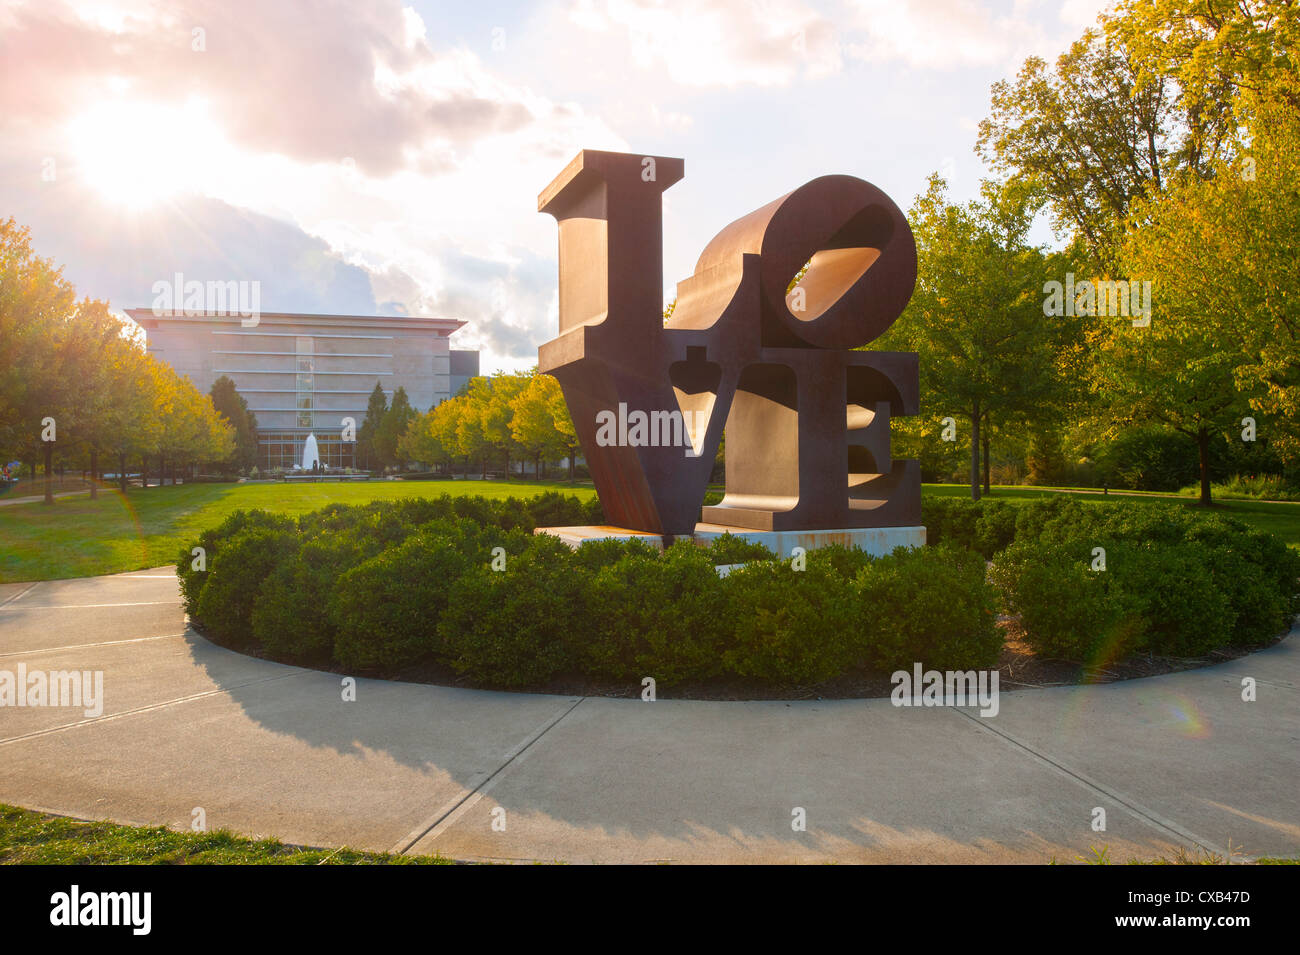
{"points": [[306, 387], [283, 450]]}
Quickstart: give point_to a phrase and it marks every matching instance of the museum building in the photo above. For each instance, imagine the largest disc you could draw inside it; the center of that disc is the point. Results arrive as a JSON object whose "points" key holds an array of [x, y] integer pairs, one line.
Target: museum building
{"points": [[303, 374]]}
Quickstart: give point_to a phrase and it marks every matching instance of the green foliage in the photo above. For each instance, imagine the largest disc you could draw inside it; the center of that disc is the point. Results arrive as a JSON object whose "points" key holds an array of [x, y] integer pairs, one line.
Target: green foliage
{"points": [[1152, 458], [387, 609], [1193, 581], [234, 579], [517, 627], [1067, 610], [192, 580], [656, 616], [729, 549], [383, 586], [931, 606], [790, 626], [291, 617], [985, 526], [230, 404]]}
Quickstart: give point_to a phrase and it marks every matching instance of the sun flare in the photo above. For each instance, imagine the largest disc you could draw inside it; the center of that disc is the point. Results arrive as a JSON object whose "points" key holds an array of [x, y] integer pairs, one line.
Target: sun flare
{"points": [[139, 154]]}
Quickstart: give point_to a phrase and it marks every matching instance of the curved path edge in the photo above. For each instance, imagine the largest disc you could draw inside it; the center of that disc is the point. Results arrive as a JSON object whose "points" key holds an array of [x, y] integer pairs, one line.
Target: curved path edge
{"points": [[1181, 761]]}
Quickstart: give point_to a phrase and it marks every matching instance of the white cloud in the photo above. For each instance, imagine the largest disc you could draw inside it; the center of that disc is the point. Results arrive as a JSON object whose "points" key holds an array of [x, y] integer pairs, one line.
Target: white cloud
{"points": [[716, 42], [951, 34]]}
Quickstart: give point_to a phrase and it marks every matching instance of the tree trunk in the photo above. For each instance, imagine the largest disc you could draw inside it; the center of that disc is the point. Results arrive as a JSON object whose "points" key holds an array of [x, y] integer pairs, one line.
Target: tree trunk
{"points": [[144, 470], [987, 465], [49, 472], [121, 471], [975, 454], [94, 474], [573, 455], [1203, 450]]}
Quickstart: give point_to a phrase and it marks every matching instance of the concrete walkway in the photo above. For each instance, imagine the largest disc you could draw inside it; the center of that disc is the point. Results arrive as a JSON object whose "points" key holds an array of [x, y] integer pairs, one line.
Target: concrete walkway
{"points": [[266, 749]]}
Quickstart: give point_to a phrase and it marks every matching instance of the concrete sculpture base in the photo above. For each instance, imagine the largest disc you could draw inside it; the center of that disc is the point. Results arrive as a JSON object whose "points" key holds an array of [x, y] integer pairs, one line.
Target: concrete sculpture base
{"points": [[873, 540]]}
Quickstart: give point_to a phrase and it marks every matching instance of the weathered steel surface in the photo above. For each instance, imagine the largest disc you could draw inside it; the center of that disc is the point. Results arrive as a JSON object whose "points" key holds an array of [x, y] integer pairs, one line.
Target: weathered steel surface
{"points": [[807, 418]]}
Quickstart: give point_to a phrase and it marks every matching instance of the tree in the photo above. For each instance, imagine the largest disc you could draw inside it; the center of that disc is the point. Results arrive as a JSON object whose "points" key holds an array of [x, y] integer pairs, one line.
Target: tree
{"points": [[533, 422], [1225, 337], [392, 427], [566, 431], [987, 350], [1094, 135], [230, 404], [1220, 55], [376, 408], [494, 397], [55, 356]]}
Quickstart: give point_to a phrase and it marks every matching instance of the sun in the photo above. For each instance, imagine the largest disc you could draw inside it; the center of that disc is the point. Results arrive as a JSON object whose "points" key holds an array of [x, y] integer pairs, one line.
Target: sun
{"points": [[139, 154]]}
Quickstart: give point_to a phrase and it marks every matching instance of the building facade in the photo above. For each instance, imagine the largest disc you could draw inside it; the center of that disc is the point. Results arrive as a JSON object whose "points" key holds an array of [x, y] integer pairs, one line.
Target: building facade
{"points": [[307, 374]]}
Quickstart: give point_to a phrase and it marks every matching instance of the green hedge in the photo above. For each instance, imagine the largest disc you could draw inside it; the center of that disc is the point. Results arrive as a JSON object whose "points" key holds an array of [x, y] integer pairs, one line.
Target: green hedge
{"points": [[382, 587], [1177, 581], [464, 583]]}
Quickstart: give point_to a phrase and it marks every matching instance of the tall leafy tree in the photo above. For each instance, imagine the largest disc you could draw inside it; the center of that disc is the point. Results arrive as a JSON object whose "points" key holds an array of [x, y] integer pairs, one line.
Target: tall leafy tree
{"points": [[392, 426], [376, 408], [533, 422], [230, 404], [987, 351], [1094, 134], [1224, 340]]}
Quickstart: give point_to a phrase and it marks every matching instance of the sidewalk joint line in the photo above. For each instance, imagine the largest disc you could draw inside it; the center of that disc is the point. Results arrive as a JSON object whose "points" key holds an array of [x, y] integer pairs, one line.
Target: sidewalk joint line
{"points": [[1140, 811], [142, 603], [148, 708], [446, 812], [88, 646], [20, 594]]}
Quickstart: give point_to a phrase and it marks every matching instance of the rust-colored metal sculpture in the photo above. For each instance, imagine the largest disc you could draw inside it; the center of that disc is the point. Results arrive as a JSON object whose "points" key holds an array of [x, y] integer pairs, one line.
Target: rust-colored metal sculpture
{"points": [[807, 418]]}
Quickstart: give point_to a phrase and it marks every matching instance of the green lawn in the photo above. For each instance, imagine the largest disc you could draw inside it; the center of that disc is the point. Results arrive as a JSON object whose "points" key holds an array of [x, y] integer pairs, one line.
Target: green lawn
{"points": [[34, 838], [78, 537]]}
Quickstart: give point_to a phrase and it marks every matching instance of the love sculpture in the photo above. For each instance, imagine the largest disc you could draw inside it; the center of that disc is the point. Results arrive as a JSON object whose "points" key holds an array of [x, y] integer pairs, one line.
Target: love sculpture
{"points": [[807, 418]]}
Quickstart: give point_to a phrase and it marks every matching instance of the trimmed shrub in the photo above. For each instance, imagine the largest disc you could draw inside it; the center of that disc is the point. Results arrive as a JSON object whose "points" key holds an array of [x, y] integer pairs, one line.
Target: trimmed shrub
{"points": [[995, 528], [191, 580], [729, 549], [235, 576], [984, 526], [950, 520], [657, 615], [1068, 610], [553, 509], [291, 617], [930, 606], [386, 610], [1184, 612], [518, 627], [843, 561], [593, 555], [790, 627]]}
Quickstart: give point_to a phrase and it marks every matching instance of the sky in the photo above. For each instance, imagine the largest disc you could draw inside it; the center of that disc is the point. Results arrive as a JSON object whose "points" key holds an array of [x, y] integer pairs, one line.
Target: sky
{"points": [[376, 157]]}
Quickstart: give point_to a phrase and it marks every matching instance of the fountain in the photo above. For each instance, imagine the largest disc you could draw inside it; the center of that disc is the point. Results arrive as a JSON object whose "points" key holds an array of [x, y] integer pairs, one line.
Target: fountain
{"points": [[310, 455]]}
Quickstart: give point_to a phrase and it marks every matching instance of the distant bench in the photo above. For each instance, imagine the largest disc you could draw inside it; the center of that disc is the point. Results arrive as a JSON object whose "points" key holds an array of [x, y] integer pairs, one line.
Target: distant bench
{"points": [[324, 477]]}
